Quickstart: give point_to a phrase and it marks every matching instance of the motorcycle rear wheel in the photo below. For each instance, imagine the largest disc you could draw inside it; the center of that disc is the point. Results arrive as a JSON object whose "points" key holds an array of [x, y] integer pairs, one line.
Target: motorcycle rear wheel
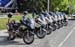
{"points": [[11, 37]]}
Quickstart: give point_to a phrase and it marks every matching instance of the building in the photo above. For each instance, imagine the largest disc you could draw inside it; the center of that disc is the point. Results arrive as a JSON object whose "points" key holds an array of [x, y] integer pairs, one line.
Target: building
{"points": [[8, 5]]}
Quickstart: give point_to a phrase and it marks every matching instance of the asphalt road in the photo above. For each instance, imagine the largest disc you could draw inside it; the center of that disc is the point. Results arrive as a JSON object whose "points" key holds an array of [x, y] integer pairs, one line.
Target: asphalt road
{"points": [[63, 37]]}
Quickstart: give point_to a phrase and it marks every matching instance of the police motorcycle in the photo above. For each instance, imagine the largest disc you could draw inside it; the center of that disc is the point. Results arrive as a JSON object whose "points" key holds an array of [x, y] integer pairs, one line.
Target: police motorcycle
{"points": [[49, 22], [56, 21], [65, 20], [60, 18], [40, 26], [19, 30], [54, 24], [22, 30], [37, 28]]}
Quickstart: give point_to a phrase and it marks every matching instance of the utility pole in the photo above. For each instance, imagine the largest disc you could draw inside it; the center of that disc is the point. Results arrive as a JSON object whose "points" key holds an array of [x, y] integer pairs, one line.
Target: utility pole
{"points": [[48, 1], [33, 8]]}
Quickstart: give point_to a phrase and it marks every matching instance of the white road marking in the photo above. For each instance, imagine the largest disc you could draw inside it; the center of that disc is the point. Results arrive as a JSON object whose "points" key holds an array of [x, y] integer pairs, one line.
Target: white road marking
{"points": [[66, 37]]}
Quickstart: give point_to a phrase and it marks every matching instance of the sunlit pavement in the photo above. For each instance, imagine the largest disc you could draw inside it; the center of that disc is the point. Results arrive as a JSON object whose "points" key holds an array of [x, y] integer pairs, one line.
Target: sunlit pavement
{"points": [[63, 37]]}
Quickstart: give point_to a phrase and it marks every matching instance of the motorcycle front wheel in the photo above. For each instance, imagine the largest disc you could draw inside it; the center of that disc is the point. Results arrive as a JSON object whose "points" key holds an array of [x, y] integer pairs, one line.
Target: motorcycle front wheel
{"points": [[28, 37], [41, 33], [54, 27], [49, 30], [65, 23]]}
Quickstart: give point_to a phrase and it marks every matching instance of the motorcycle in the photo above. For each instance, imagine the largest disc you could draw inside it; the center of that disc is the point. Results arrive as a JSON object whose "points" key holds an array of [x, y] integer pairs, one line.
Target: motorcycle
{"points": [[65, 20], [39, 29], [53, 24], [40, 32], [18, 30], [48, 25], [59, 22]]}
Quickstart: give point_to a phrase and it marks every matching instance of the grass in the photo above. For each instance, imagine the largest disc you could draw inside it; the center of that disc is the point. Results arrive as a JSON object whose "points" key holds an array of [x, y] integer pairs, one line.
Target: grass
{"points": [[3, 21]]}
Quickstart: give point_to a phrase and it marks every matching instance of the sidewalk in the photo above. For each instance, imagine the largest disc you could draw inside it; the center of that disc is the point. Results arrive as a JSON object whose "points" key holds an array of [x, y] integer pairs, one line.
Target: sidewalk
{"points": [[3, 30], [3, 33], [3, 16]]}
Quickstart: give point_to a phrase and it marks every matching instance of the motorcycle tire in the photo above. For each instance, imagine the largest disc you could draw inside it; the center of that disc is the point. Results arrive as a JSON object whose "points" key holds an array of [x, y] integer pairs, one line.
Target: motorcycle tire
{"points": [[49, 31], [58, 26], [54, 27], [28, 37], [65, 23], [41, 34], [10, 37]]}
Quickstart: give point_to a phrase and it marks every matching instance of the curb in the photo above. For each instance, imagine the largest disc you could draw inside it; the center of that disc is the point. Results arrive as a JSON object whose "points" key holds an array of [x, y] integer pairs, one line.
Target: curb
{"points": [[3, 30]]}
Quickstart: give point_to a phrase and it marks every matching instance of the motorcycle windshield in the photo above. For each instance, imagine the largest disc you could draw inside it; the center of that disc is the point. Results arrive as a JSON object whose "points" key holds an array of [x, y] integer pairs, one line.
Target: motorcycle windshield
{"points": [[32, 23]]}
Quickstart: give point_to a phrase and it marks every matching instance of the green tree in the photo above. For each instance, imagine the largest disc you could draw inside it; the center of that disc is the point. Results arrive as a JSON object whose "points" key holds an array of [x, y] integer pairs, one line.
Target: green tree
{"points": [[55, 5]]}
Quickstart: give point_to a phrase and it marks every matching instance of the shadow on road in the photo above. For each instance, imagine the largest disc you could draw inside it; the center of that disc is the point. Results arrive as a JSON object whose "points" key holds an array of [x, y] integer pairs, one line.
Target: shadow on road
{"points": [[4, 41]]}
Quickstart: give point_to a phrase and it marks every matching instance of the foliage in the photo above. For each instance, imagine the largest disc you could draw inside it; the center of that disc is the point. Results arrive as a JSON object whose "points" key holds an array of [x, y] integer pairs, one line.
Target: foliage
{"points": [[55, 5], [3, 21]]}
